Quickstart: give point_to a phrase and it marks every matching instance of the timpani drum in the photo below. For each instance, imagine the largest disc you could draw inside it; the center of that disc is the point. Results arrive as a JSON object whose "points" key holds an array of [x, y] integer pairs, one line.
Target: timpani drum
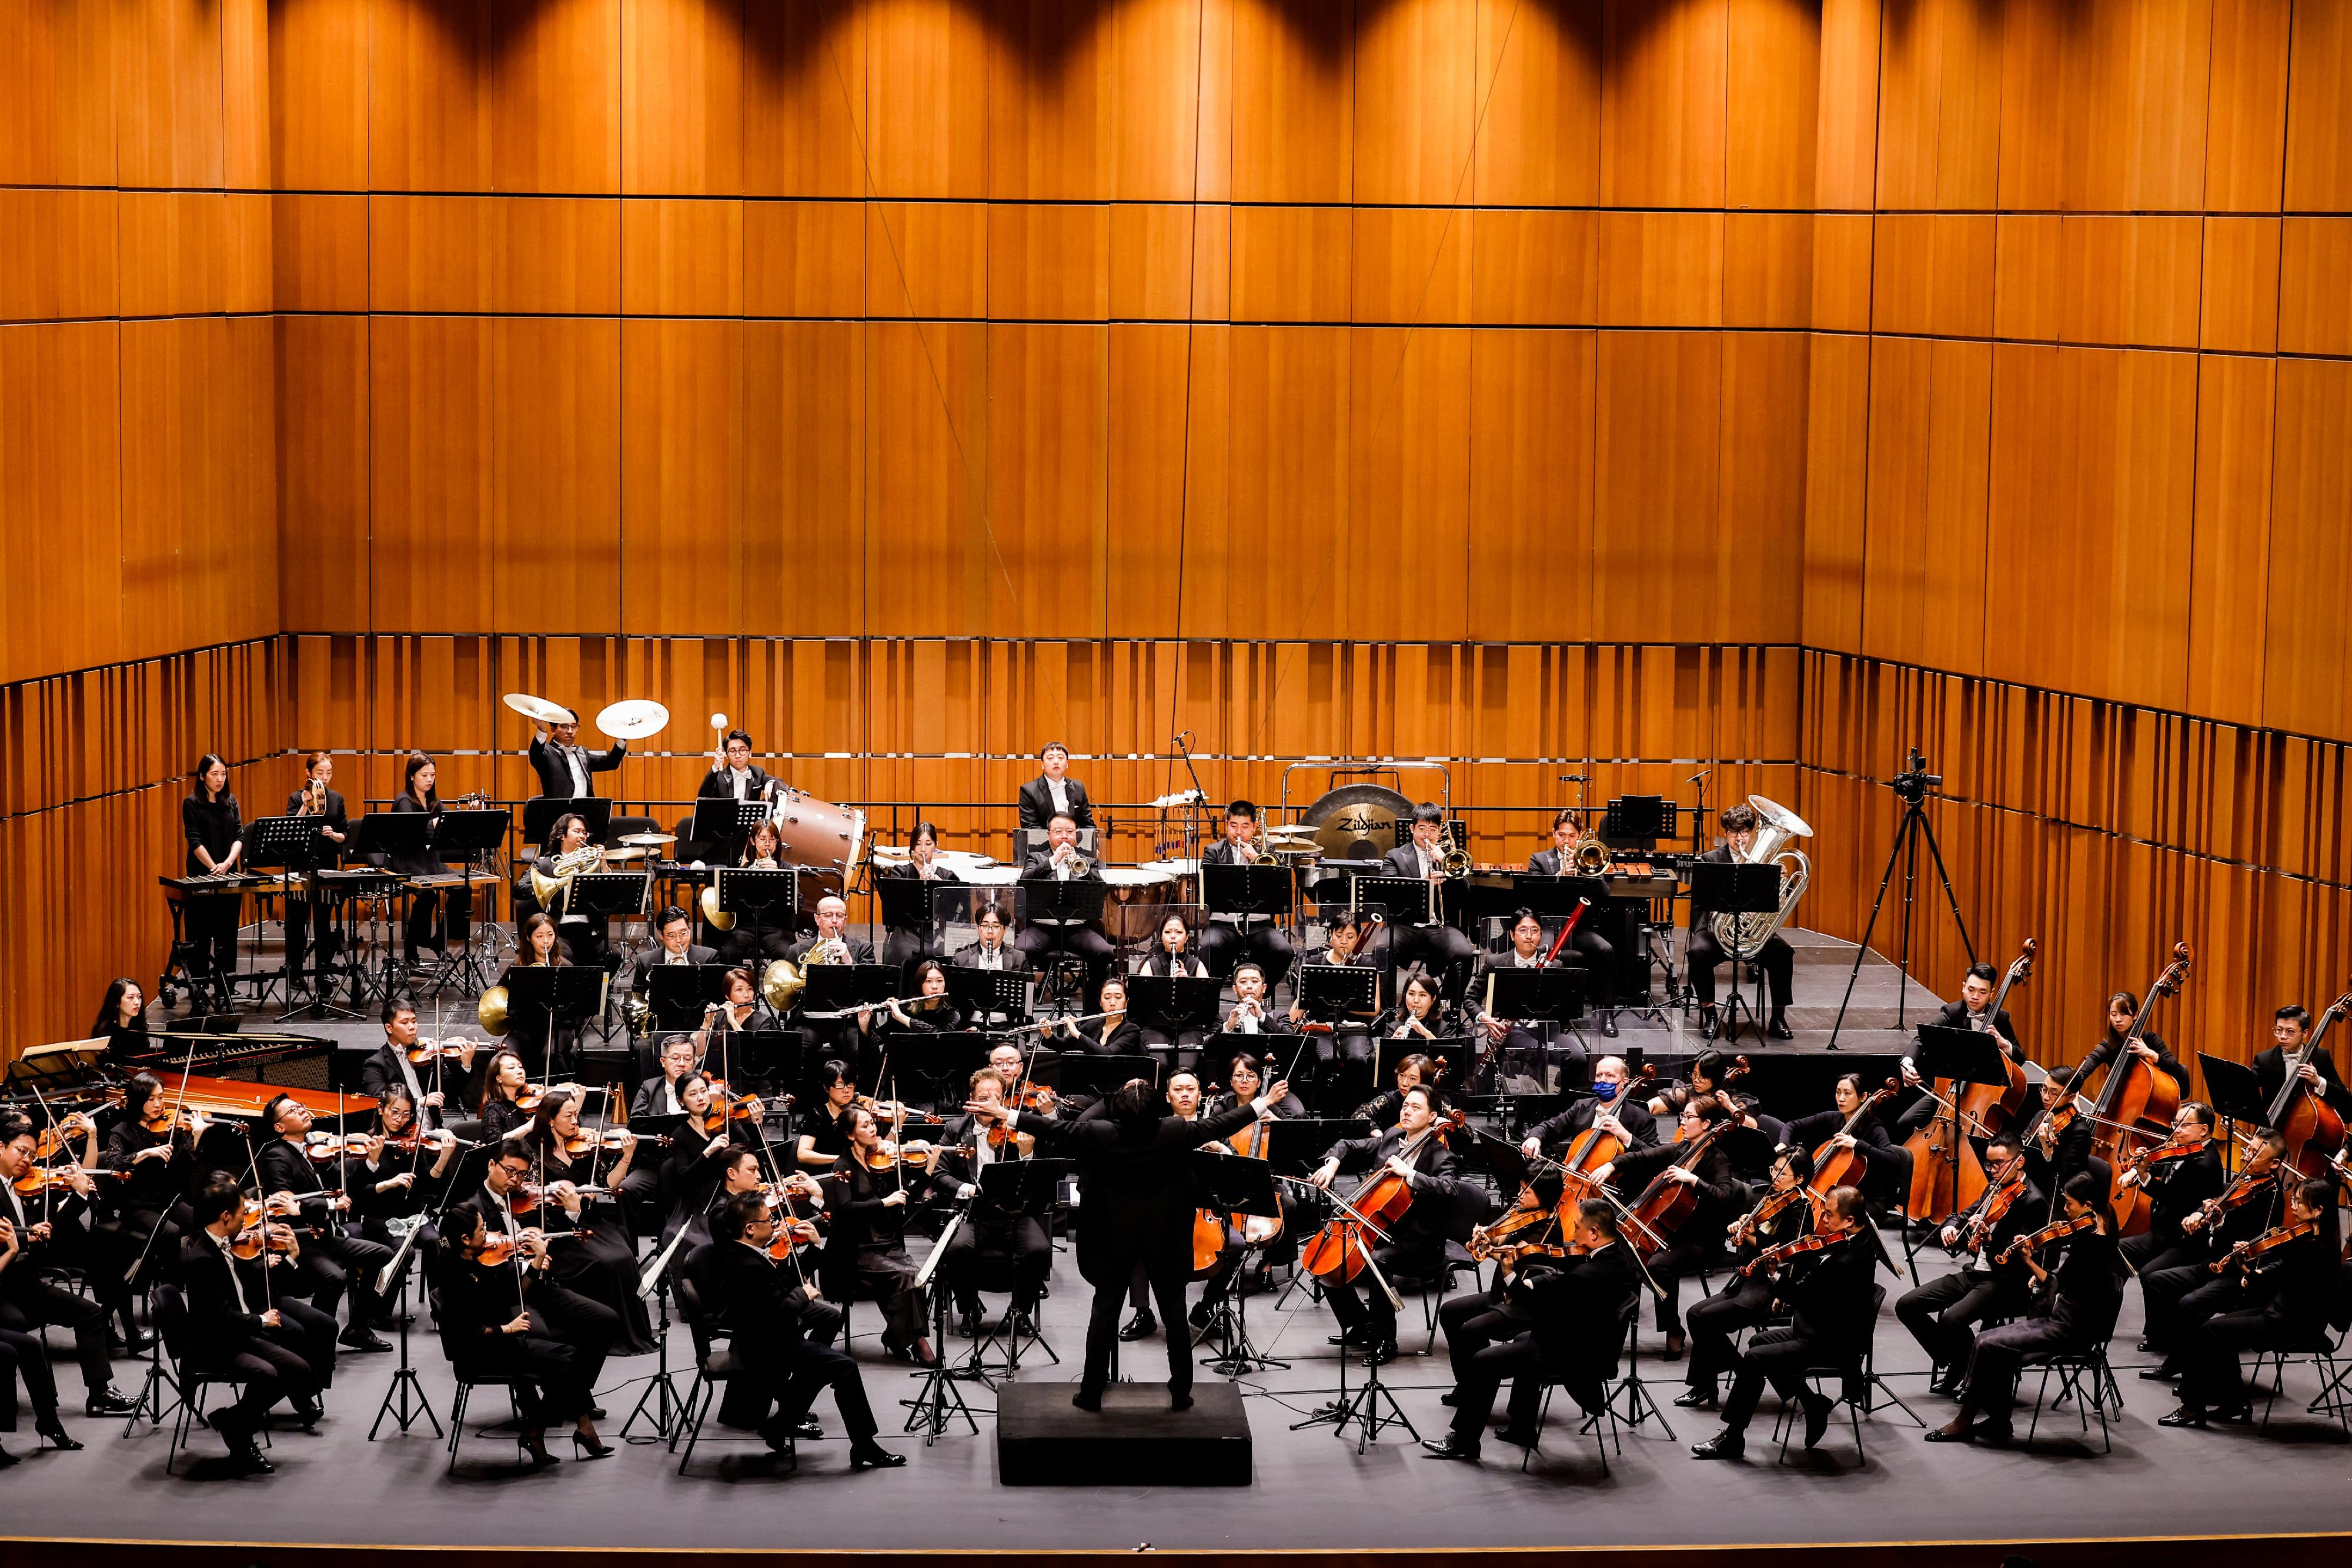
{"points": [[1140, 896]]}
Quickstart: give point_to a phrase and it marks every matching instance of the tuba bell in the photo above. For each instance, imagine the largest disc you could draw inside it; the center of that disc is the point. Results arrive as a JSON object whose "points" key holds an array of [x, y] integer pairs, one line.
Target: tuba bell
{"points": [[491, 1012], [1742, 936]]}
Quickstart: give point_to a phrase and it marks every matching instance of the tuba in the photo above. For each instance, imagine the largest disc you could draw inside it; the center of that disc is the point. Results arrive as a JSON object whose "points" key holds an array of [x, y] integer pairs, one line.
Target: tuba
{"points": [[1742, 936]]}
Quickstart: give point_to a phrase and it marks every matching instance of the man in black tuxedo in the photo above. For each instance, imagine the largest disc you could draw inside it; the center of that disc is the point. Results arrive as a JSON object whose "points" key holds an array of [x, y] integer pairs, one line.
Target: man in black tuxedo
{"points": [[1441, 950], [566, 768], [1972, 1011], [1612, 1082], [1416, 1243], [435, 1089], [2290, 1027], [992, 953], [270, 1341], [1134, 1167], [311, 924], [733, 776], [765, 1308], [1226, 939], [1054, 791], [1062, 860], [1571, 1311], [1704, 953]]}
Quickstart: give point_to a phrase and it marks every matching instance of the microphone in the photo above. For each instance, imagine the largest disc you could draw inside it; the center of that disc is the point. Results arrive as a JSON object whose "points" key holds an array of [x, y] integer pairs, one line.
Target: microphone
{"points": [[1700, 774], [1574, 778]]}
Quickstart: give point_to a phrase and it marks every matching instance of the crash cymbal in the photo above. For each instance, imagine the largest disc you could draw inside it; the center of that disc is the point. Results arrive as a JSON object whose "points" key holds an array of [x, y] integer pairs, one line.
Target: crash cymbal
{"points": [[648, 841], [615, 857], [538, 710], [634, 720], [1291, 830]]}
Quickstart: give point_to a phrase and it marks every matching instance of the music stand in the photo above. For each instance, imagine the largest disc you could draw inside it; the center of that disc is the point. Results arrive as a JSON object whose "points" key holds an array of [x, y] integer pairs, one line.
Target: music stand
{"points": [[905, 906], [1964, 1056], [1453, 1053], [753, 891], [1234, 1184], [539, 813], [1172, 1004], [1636, 822], [469, 837], [397, 836], [1407, 898], [290, 845], [1261, 891], [986, 994], [722, 823], [1053, 902], [933, 1060], [569, 993], [2234, 1092], [1329, 992], [679, 994], [1023, 1189], [1735, 887]]}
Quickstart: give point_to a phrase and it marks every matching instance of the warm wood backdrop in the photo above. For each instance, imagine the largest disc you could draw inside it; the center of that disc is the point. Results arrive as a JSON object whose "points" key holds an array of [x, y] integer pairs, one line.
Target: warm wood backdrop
{"points": [[1758, 381]]}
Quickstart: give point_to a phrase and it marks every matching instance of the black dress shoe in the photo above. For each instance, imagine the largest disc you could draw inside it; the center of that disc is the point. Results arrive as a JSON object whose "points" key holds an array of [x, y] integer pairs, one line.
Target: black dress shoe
{"points": [[135, 1343], [310, 1414], [248, 1460], [1381, 1354], [1347, 1340], [779, 1439], [968, 1324], [1179, 1401], [1609, 1025], [107, 1402], [1697, 1399], [1087, 1399], [2144, 1346], [1139, 1326], [361, 1339], [1519, 1437], [873, 1456], [2162, 1372], [1817, 1418], [1451, 1447], [1674, 1345], [1201, 1314], [1956, 1430], [1708, 1030], [1725, 1445], [1446, 1399], [1778, 1028], [2184, 1416]]}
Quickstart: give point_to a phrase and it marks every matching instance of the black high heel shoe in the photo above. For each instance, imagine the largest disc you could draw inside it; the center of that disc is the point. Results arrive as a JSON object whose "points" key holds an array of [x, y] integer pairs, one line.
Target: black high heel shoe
{"points": [[589, 1447], [54, 1434], [534, 1447]]}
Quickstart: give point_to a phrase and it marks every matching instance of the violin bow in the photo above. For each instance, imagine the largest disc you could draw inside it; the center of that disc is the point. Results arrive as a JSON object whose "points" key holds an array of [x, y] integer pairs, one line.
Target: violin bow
{"points": [[179, 1105], [253, 1167]]}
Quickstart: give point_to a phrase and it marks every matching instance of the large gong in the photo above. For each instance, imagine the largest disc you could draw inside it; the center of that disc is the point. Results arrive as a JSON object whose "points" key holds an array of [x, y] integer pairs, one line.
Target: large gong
{"points": [[1357, 821]]}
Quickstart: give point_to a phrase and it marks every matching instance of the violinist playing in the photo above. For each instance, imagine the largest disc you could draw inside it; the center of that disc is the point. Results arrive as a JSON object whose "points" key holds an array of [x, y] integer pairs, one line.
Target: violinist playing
{"points": [[971, 1143], [742, 1172], [1695, 1248], [2054, 1153], [823, 1135], [1476, 1318], [240, 1324], [1942, 1313], [2073, 1310], [506, 1080], [1785, 1213], [393, 1064], [2286, 1277], [330, 1262], [2182, 1297], [25, 1353], [704, 1146], [486, 1291], [27, 1301], [765, 1304], [875, 1181], [579, 1169], [1571, 1306], [531, 1219], [1609, 1107], [154, 1145], [2180, 1175], [1415, 1244], [402, 1170], [1827, 1293]]}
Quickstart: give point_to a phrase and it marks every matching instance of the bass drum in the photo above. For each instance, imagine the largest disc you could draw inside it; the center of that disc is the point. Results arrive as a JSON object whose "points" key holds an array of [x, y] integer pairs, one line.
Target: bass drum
{"points": [[817, 834]]}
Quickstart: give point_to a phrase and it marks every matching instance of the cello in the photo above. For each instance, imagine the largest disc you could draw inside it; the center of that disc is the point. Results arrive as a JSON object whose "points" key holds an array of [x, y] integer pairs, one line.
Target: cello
{"points": [[1946, 1175], [2138, 1100], [1594, 1147], [2313, 1130], [1652, 1218], [1834, 1168], [1338, 1250]]}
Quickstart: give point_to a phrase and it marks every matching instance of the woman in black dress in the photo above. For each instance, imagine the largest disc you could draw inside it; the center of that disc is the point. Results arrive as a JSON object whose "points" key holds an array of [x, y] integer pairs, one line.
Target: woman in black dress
{"points": [[823, 1137], [906, 942], [765, 933], [215, 836], [417, 794], [122, 1023], [504, 1081], [483, 1310], [1110, 1035], [532, 1032], [154, 1145], [602, 1265]]}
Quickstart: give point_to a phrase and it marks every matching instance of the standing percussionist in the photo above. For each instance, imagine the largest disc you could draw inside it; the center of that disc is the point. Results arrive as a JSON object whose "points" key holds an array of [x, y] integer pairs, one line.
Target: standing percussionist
{"points": [[733, 776], [1062, 860], [310, 924], [1055, 793], [216, 835], [1600, 954], [1227, 937], [1437, 947], [566, 768], [1705, 954]]}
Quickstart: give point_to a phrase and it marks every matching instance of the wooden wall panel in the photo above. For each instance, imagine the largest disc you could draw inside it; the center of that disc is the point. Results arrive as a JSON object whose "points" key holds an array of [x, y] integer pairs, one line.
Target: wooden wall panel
{"points": [[2230, 557], [1657, 450], [2239, 306], [1417, 101], [1294, 101], [429, 95], [1663, 77], [60, 493], [804, 99], [556, 464], [2320, 111], [1538, 80], [2304, 656], [2245, 113], [2315, 287], [1531, 487], [682, 539], [681, 91], [1046, 520], [925, 126], [430, 401], [555, 95]]}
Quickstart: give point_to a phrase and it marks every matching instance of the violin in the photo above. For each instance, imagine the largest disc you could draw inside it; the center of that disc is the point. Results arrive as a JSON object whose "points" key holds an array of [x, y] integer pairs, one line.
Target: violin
{"points": [[1338, 1250], [2137, 1163], [250, 1242], [2037, 1240], [498, 1253], [1771, 1208], [426, 1051], [170, 1119], [56, 1178], [788, 1239], [533, 1095], [1811, 1241], [326, 1148], [1720, 1093], [2244, 1188], [51, 1140], [887, 1155], [415, 1135], [1491, 1243], [611, 1140], [2246, 1254], [2008, 1186]]}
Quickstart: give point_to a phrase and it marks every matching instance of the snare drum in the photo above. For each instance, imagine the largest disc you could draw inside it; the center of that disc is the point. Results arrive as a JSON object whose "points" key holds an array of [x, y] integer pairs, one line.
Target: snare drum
{"points": [[1139, 895]]}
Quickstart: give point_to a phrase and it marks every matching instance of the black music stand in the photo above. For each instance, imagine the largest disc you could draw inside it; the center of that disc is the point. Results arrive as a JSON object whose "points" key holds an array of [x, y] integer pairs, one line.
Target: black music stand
{"points": [[2234, 1092], [1053, 902], [1259, 890], [758, 891], [539, 813], [1964, 1056], [1027, 1189], [291, 845], [470, 838], [568, 993], [1453, 1053], [1735, 887], [1331, 992], [723, 824], [984, 996], [1636, 822], [1234, 1184], [1174, 1004], [680, 994], [834, 988], [1406, 899], [942, 1063], [907, 906], [394, 839]]}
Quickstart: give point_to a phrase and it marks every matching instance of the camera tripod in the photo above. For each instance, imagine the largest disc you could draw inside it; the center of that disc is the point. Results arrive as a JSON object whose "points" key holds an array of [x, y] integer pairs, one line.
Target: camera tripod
{"points": [[1912, 786]]}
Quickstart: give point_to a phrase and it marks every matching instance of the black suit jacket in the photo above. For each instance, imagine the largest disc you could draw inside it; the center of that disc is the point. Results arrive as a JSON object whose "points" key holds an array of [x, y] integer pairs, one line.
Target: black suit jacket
{"points": [[1435, 1190], [719, 784], [1037, 803], [1578, 1117], [1829, 1294], [555, 773], [695, 954], [755, 1299], [861, 951], [335, 817], [1039, 867], [2270, 1071], [1137, 1183], [1014, 959], [1575, 1309], [2185, 1184], [214, 1316], [1547, 863], [1405, 860]]}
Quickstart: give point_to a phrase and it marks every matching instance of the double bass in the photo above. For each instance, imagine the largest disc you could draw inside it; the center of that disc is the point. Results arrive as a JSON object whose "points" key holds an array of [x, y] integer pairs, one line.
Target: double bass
{"points": [[2313, 1130], [2136, 1102], [1947, 1175]]}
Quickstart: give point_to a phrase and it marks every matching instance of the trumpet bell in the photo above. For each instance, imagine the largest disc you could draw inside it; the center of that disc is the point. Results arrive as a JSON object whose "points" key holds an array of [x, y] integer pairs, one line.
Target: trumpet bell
{"points": [[491, 1012], [782, 983], [713, 917]]}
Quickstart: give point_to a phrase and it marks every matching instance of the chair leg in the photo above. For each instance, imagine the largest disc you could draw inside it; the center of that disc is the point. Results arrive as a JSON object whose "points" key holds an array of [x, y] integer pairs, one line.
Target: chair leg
{"points": [[458, 1422], [691, 1420], [1543, 1414], [692, 1389]]}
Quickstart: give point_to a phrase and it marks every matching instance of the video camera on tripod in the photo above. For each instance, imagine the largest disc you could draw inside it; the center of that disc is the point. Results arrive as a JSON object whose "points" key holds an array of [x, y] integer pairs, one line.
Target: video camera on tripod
{"points": [[1913, 782]]}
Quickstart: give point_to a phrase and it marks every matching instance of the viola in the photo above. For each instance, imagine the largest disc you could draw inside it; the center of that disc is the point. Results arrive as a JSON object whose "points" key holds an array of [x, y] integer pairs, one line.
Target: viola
{"points": [[1787, 1251], [2136, 1094], [2038, 1239], [1834, 1168], [1490, 1242], [1338, 1250], [2246, 1254]]}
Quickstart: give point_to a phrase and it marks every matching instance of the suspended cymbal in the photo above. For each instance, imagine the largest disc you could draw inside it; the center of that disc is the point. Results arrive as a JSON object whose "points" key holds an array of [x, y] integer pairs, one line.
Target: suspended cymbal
{"points": [[634, 720], [626, 855], [538, 710], [648, 840]]}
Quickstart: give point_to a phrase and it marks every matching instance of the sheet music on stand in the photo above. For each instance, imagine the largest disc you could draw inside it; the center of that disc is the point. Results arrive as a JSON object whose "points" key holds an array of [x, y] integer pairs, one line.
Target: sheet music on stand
{"points": [[757, 892], [1329, 992], [569, 992], [1409, 900], [284, 843], [608, 893], [726, 821], [831, 987], [468, 835], [1257, 892], [1637, 821], [1554, 995], [1453, 1054], [986, 994], [1073, 903]]}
